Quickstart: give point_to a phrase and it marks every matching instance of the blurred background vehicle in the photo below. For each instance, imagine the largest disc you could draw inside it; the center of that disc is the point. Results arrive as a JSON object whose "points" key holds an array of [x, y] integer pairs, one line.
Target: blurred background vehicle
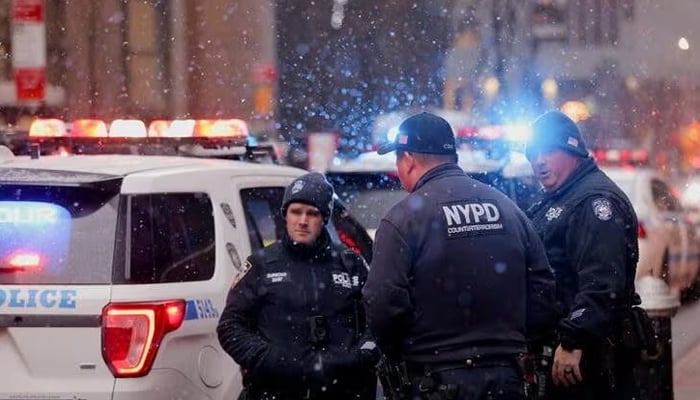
{"points": [[369, 184], [668, 245], [690, 201]]}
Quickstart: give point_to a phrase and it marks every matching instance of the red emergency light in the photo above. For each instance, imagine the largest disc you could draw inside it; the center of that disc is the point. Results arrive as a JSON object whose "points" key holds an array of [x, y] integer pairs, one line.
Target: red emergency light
{"points": [[24, 260], [93, 128], [621, 156], [50, 127]]}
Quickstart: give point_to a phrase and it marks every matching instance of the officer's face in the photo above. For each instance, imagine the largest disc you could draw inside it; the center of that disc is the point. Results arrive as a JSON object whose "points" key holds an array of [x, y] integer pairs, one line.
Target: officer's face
{"points": [[304, 223], [553, 166]]}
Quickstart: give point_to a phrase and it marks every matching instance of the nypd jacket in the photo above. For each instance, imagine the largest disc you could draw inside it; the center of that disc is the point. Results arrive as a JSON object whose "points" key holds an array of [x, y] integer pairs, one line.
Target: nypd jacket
{"points": [[294, 322], [458, 272], [589, 229]]}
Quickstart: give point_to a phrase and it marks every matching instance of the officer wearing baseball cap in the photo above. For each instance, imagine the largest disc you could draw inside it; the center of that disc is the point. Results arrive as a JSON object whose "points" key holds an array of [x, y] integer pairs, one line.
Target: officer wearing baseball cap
{"points": [[424, 133], [294, 322], [589, 230], [443, 258]]}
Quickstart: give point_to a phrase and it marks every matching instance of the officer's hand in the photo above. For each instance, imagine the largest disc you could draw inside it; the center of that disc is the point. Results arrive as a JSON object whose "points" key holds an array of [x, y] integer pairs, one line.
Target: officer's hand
{"points": [[369, 354], [278, 364], [566, 369]]}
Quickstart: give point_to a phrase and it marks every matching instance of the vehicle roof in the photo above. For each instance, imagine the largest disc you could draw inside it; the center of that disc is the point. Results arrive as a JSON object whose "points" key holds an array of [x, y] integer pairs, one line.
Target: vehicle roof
{"points": [[469, 161], [120, 165]]}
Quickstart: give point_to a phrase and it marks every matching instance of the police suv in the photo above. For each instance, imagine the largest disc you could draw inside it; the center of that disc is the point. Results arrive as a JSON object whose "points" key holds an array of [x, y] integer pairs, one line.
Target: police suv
{"points": [[114, 268], [668, 249]]}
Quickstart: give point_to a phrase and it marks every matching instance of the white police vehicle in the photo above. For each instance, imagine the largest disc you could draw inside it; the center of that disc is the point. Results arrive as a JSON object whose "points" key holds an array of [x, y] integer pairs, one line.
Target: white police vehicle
{"points": [[114, 268], [667, 246]]}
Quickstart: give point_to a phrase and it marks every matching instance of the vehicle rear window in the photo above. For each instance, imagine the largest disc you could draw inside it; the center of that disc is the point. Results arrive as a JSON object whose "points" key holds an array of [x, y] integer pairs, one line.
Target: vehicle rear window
{"points": [[165, 237], [57, 234], [368, 196]]}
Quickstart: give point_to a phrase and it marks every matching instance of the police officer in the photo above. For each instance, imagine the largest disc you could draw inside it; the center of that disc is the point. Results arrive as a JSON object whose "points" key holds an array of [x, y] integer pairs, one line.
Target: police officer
{"points": [[589, 230], [294, 322], [458, 274]]}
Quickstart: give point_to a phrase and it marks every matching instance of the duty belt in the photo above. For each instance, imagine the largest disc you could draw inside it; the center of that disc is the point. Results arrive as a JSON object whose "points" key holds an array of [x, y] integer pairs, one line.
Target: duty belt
{"points": [[416, 369]]}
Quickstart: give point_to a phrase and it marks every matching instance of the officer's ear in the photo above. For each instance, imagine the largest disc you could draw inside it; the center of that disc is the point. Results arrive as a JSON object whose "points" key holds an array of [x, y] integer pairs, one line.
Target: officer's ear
{"points": [[410, 157]]}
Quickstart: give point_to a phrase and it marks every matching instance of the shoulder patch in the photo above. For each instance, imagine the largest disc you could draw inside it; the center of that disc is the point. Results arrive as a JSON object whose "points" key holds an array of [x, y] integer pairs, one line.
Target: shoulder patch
{"points": [[243, 271], [602, 209]]}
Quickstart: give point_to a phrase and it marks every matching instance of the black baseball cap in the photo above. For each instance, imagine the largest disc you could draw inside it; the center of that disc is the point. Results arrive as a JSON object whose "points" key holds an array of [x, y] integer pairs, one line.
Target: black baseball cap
{"points": [[423, 133]]}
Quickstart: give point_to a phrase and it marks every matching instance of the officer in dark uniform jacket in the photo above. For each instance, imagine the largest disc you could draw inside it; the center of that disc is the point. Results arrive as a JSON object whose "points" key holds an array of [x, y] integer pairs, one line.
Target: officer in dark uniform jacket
{"points": [[295, 323], [589, 230], [459, 276]]}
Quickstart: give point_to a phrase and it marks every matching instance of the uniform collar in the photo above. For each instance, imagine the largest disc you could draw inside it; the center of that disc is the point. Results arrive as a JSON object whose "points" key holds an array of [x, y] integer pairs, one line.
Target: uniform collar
{"points": [[440, 170], [586, 167], [321, 249]]}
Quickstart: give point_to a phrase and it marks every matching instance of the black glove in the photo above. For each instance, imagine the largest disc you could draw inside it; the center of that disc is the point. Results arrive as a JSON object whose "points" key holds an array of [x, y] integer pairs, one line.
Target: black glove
{"points": [[338, 361]]}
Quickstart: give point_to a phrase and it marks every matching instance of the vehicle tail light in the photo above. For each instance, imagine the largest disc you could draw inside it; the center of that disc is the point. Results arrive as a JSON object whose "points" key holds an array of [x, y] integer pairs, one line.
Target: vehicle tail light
{"points": [[132, 333], [348, 241], [641, 231]]}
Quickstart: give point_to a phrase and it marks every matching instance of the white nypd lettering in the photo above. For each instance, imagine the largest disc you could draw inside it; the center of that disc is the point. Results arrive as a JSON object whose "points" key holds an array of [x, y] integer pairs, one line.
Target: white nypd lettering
{"points": [[32, 298], [342, 279], [477, 216]]}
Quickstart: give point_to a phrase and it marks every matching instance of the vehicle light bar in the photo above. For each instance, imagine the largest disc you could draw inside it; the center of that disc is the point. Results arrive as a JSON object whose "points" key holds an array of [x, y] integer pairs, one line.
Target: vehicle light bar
{"points": [[220, 128], [518, 133], [49, 127], [132, 128], [174, 128], [88, 128], [127, 128]]}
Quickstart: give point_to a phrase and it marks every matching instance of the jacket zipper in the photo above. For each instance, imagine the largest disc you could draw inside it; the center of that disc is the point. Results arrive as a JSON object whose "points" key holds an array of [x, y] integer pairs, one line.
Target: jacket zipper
{"points": [[315, 288]]}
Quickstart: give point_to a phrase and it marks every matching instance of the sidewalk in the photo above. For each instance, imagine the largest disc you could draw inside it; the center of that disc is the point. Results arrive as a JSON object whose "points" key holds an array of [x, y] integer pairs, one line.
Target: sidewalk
{"points": [[686, 353]]}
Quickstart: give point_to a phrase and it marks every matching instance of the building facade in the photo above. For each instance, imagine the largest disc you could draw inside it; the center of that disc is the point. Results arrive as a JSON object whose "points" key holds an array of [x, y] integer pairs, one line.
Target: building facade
{"points": [[151, 59]]}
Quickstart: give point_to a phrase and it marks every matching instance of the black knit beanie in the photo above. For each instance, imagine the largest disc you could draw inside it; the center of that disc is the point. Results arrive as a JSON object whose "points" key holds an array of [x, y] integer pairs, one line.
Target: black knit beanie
{"points": [[312, 189], [554, 129]]}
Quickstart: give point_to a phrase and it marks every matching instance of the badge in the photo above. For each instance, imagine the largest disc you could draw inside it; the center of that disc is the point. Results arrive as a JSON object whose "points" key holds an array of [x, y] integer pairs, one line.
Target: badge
{"points": [[553, 213], [577, 313], [602, 209], [298, 185]]}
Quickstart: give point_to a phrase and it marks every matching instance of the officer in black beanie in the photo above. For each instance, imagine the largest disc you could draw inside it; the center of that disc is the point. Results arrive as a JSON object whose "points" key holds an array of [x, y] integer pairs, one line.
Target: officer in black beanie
{"points": [[294, 322], [589, 230], [312, 189]]}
